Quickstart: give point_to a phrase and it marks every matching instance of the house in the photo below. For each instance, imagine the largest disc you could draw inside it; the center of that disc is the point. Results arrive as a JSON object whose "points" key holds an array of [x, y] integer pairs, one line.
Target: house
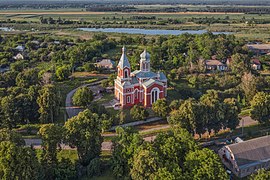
{"points": [[35, 42], [19, 56], [106, 64], [259, 49], [256, 64], [56, 42], [214, 65], [141, 86], [4, 69], [246, 157], [20, 48]]}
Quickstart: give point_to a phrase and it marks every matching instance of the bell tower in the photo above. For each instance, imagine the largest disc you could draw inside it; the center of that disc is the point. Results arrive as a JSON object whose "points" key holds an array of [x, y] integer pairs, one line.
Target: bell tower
{"points": [[123, 67], [145, 61]]}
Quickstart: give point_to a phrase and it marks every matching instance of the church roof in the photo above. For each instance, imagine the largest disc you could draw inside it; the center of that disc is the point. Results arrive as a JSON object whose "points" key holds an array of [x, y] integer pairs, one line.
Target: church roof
{"points": [[150, 82], [125, 84], [123, 60], [141, 74], [134, 80], [145, 56], [162, 76]]}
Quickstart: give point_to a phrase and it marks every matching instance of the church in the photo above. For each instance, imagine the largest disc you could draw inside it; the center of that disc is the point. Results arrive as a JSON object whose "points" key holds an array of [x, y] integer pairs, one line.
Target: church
{"points": [[141, 86]]}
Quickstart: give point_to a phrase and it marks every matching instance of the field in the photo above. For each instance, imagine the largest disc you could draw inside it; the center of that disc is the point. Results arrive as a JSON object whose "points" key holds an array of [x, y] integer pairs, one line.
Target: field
{"points": [[252, 26]]}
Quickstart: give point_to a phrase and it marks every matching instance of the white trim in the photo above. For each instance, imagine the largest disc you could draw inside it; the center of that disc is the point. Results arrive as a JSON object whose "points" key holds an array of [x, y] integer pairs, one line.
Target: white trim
{"points": [[151, 91], [157, 95]]}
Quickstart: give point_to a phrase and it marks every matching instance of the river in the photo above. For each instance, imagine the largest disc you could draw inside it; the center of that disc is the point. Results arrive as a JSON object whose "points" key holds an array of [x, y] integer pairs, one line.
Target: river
{"points": [[147, 31]]}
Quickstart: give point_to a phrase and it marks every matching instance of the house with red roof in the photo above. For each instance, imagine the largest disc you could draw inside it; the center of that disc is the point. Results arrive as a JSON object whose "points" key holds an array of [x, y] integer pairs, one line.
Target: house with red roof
{"points": [[256, 64]]}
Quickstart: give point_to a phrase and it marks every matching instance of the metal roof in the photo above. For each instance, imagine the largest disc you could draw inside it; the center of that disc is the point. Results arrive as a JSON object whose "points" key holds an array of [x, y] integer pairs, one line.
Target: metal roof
{"points": [[141, 74], [251, 152], [162, 76], [134, 80], [145, 56], [123, 60], [214, 63], [259, 46], [150, 82], [106, 62]]}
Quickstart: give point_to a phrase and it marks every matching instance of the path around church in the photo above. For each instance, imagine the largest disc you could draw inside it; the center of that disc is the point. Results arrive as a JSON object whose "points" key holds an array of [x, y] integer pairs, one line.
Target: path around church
{"points": [[74, 110]]}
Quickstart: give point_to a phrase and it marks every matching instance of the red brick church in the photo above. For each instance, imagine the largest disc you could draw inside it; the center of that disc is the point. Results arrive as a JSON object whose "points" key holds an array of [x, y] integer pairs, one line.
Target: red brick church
{"points": [[141, 86]]}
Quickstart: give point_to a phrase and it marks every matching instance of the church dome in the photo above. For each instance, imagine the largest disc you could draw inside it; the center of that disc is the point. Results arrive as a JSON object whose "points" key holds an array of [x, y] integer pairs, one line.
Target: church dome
{"points": [[145, 56]]}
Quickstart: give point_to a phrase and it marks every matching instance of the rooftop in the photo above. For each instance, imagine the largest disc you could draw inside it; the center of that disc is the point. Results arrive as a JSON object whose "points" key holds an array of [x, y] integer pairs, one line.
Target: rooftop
{"points": [[150, 82], [141, 74], [256, 61], [213, 63], [123, 60], [259, 46], [252, 151], [106, 62]]}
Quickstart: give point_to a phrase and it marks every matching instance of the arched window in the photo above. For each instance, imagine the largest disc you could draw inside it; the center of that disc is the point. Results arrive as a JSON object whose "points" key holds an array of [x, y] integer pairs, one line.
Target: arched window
{"points": [[136, 94], [126, 74], [154, 95]]}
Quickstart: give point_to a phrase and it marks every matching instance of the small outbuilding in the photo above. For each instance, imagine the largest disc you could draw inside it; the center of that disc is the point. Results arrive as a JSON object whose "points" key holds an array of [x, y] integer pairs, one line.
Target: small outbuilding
{"points": [[247, 157], [106, 64], [213, 65]]}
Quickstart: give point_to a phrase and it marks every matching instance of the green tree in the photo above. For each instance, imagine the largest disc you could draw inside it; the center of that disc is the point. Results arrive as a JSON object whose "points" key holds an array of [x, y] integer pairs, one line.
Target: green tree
{"points": [[175, 104], [249, 86], [62, 73], [173, 146], [51, 136], [232, 109], [89, 67], [9, 114], [189, 116], [106, 122], [11, 136], [164, 174], [27, 78], [84, 132], [138, 113], [145, 163], [17, 162], [160, 107], [213, 113], [261, 174], [260, 107], [240, 63], [83, 97], [124, 146], [49, 104], [204, 164]]}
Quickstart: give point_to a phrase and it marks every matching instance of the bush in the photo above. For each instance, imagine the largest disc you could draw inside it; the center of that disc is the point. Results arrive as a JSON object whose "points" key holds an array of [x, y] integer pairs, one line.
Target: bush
{"points": [[94, 168], [138, 113]]}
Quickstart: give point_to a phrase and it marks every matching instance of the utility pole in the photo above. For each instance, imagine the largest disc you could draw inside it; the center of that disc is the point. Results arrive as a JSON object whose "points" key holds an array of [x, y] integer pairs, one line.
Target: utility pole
{"points": [[243, 126]]}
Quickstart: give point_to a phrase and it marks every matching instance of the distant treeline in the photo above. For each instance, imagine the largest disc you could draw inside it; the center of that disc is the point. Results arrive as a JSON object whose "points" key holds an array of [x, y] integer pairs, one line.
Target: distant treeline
{"points": [[106, 8]]}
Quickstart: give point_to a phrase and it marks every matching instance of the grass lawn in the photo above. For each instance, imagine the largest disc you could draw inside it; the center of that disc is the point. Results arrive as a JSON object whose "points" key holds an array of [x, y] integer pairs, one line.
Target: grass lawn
{"points": [[106, 98], [245, 112], [68, 154], [66, 86]]}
